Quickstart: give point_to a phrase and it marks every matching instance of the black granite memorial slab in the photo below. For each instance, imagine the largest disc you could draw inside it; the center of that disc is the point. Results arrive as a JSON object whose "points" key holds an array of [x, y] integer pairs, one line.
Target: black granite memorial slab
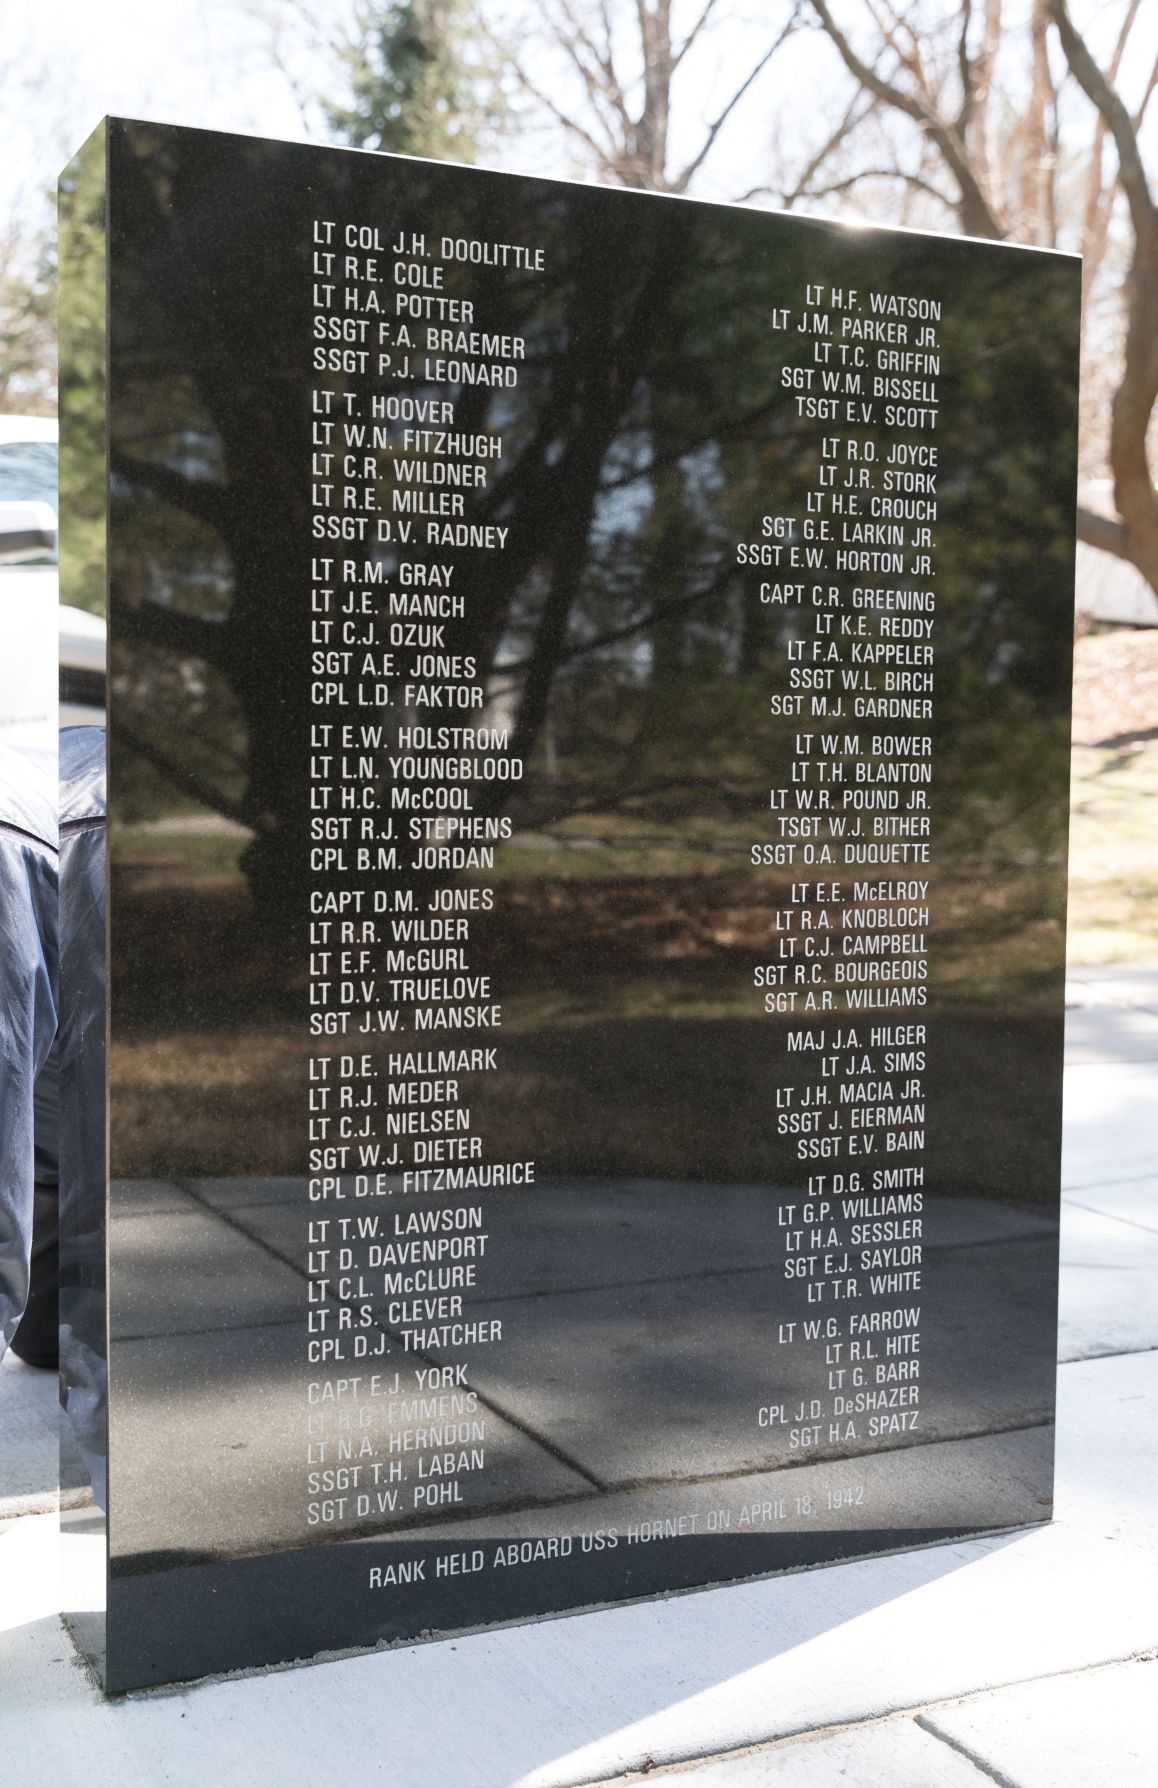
{"points": [[588, 771]]}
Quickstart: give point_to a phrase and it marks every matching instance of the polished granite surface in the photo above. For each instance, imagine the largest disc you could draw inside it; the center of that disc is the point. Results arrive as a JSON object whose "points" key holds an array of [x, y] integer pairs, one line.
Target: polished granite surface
{"points": [[635, 1292]]}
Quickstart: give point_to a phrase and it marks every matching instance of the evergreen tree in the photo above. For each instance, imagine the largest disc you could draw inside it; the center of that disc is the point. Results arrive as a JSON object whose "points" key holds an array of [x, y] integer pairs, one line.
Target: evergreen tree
{"points": [[415, 81]]}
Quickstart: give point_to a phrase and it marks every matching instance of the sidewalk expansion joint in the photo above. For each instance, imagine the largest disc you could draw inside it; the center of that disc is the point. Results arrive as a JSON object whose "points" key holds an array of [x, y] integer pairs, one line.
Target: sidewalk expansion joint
{"points": [[562, 1455], [1112, 1217], [963, 1750], [1125, 1179], [1113, 1353]]}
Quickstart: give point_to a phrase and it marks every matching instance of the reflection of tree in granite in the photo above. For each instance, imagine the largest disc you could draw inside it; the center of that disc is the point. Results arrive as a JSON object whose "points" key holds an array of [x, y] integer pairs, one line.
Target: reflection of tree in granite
{"points": [[676, 1313], [217, 377], [83, 391], [649, 432], [633, 1041]]}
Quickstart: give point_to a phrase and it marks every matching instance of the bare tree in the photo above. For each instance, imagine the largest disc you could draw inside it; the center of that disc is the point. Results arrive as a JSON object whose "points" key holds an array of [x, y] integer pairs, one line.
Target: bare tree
{"points": [[947, 98], [623, 131], [1101, 187], [27, 320], [1134, 535], [1002, 162], [37, 98], [1003, 155]]}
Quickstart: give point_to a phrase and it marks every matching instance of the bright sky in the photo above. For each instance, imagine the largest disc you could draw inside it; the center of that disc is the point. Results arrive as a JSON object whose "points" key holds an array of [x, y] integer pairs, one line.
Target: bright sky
{"points": [[185, 61], [202, 62], [207, 62]]}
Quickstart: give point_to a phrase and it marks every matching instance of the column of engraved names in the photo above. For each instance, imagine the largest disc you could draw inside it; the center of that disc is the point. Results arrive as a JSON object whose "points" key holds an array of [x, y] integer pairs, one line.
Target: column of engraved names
{"points": [[855, 573], [396, 1226]]}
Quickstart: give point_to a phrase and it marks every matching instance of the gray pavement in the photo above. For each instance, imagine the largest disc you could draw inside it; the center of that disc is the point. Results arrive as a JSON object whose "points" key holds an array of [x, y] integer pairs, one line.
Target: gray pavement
{"points": [[34, 1442], [1020, 1659]]}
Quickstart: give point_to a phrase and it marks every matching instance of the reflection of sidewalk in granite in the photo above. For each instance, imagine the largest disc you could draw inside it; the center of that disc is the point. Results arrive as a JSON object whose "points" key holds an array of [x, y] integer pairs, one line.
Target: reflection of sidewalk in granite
{"points": [[1016, 1659], [212, 1279]]}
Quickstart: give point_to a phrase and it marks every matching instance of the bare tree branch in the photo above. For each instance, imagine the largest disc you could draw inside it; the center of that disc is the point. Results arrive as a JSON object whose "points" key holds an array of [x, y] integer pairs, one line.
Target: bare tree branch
{"points": [[965, 69], [858, 109], [983, 78], [697, 161], [1108, 535], [977, 214], [173, 629], [628, 132], [199, 497], [1100, 191], [690, 39], [190, 783], [1036, 182], [560, 117], [1140, 114], [600, 80], [1102, 95], [1137, 392], [914, 180]]}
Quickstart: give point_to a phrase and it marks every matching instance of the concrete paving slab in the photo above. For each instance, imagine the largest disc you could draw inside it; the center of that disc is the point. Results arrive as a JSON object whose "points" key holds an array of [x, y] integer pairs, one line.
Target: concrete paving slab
{"points": [[575, 1700], [1111, 1123], [1110, 1034], [30, 1582], [1113, 983], [892, 1754], [1130, 1201], [28, 1436], [1111, 1497], [1100, 1726], [1109, 1272], [32, 1436]]}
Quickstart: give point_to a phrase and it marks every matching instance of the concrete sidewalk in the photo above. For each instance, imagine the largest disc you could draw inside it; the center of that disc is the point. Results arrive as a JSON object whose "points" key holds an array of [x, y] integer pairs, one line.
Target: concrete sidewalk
{"points": [[1019, 1659]]}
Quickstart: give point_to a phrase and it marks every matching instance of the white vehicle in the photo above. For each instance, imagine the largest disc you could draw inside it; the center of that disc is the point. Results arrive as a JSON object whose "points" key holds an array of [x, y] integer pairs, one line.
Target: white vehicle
{"points": [[83, 651], [46, 651]]}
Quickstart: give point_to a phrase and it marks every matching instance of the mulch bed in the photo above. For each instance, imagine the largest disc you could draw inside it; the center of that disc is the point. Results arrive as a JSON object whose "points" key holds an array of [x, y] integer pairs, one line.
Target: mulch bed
{"points": [[1116, 687]]}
